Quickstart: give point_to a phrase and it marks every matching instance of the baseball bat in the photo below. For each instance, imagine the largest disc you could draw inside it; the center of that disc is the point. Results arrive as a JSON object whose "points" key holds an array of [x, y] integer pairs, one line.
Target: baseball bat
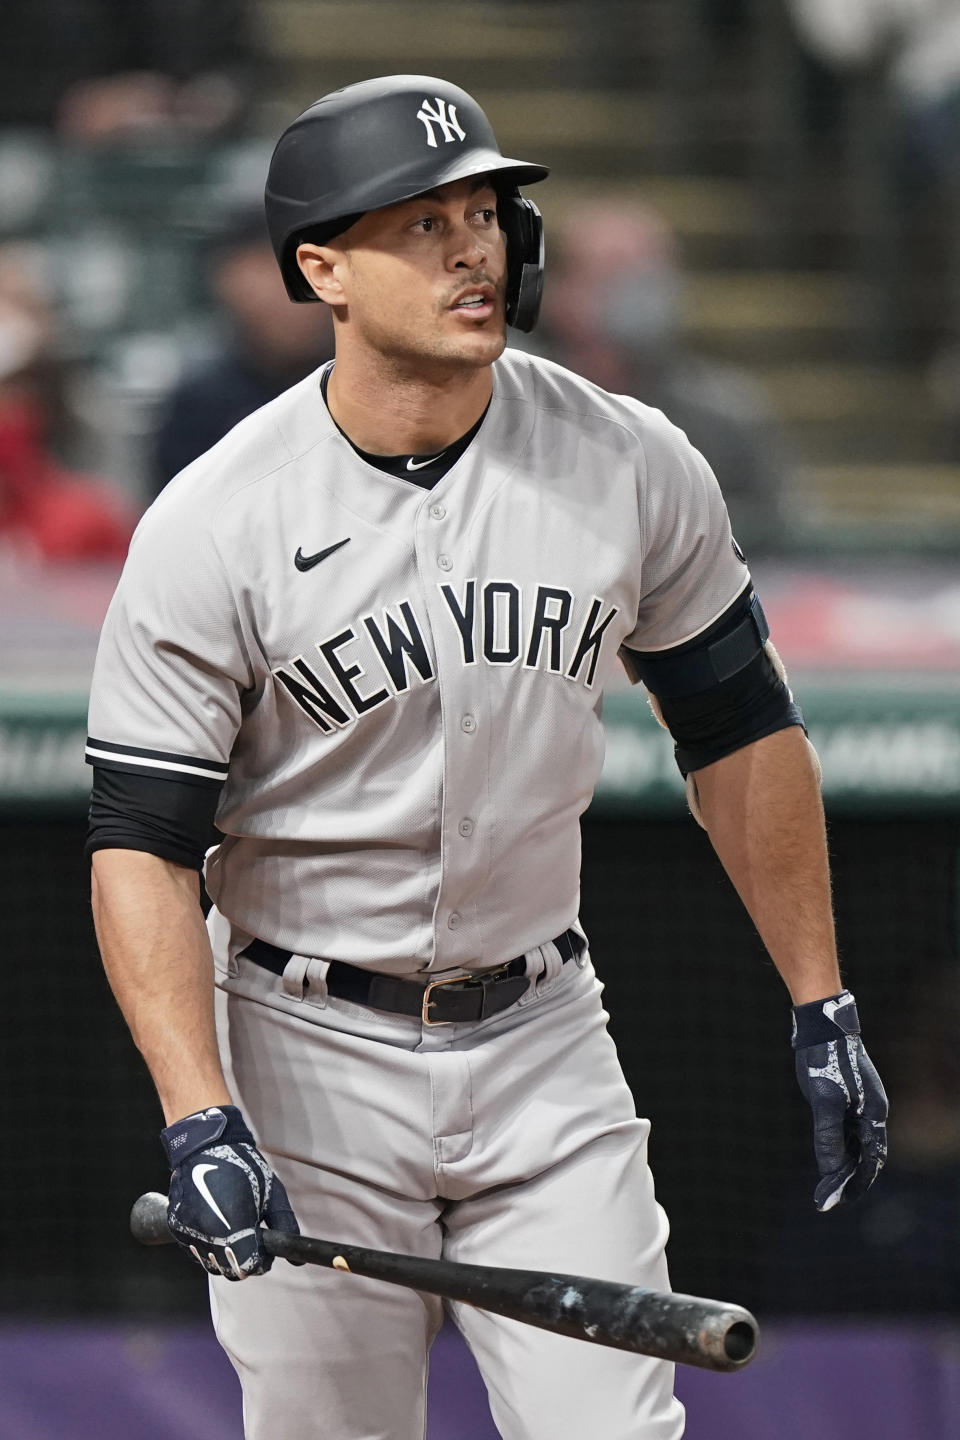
{"points": [[685, 1329]]}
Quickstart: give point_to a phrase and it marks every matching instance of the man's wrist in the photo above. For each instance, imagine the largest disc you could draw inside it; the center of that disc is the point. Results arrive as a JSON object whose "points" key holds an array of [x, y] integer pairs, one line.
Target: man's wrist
{"points": [[177, 1105], [816, 986]]}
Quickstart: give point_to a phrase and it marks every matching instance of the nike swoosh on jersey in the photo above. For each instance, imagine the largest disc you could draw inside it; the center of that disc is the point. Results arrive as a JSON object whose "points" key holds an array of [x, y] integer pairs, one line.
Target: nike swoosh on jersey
{"points": [[198, 1175], [307, 562], [422, 464]]}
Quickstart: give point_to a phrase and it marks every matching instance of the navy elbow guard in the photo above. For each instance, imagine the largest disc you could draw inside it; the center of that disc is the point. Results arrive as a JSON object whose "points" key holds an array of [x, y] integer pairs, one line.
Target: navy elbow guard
{"points": [[721, 690]]}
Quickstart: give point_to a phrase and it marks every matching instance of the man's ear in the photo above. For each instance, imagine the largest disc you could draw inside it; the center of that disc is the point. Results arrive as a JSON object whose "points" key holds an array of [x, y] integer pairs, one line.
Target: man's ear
{"points": [[321, 272]]}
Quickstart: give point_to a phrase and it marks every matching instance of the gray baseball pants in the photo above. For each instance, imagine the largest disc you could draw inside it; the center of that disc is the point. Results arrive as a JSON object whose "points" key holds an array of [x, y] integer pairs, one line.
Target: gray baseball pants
{"points": [[511, 1141]]}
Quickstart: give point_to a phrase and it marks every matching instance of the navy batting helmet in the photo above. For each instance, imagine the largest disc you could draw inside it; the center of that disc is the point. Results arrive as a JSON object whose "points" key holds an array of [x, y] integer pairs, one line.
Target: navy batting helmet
{"points": [[382, 141]]}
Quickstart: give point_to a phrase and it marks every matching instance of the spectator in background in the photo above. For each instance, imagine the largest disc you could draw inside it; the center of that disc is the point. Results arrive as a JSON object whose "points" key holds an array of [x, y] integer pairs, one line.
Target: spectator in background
{"points": [[99, 69], [906, 55], [917, 42], [269, 346], [612, 313], [46, 510]]}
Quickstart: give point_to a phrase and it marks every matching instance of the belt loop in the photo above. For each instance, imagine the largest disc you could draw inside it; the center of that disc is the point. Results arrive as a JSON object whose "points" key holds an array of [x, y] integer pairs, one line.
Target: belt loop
{"points": [[579, 948], [294, 978], [315, 983], [554, 954], [539, 962]]}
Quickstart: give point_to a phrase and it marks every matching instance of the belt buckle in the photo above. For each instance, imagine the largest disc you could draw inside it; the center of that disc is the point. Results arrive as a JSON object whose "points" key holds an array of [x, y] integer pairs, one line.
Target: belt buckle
{"points": [[434, 985]]}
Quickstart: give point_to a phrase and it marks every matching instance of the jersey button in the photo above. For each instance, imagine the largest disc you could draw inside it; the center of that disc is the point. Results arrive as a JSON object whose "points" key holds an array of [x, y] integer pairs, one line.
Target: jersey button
{"points": [[438, 511], [466, 828], [453, 922], [468, 724], [444, 562]]}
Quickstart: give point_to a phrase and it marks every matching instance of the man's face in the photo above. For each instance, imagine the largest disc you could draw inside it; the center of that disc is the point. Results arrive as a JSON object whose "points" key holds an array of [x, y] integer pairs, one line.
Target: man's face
{"points": [[423, 282]]}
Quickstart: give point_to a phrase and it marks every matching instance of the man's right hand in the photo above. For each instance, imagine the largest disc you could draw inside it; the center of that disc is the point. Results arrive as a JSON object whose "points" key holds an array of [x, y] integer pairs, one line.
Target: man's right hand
{"points": [[846, 1096], [221, 1189]]}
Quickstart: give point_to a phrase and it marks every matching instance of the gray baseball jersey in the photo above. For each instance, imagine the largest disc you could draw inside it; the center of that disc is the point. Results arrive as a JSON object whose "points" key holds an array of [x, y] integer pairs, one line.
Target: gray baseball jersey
{"points": [[399, 689]]}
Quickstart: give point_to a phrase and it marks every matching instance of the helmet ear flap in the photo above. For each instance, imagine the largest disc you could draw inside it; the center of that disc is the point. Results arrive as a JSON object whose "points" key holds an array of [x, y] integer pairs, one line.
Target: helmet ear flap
{"points": [[521, 222]]}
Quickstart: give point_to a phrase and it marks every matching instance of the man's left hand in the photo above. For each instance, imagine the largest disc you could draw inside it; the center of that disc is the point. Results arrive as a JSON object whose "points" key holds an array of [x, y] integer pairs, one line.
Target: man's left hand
{"points": [[846, 1096]]}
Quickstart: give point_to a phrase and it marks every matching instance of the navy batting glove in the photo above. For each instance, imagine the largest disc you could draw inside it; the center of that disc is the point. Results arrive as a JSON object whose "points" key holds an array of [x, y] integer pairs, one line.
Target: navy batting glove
{"points": [[846, 1096], [221, 1188]]}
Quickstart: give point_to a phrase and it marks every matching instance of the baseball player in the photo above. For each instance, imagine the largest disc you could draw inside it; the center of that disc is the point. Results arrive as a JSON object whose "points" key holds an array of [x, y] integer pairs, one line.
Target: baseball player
{"points": [[367, 634]]}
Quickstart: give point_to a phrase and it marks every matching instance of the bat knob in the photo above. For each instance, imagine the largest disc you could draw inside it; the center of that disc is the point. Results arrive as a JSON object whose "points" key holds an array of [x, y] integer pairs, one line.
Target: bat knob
{"points": [[148, 1219]]}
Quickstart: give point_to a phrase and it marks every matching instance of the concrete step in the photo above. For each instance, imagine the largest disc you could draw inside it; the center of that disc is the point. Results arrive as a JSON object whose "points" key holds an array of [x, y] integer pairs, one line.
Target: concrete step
{"points": [[909, 501], [404, 38], [838, 442], [588, 132], [763, 316], [319, 48], [842, 391], [833, 413]]}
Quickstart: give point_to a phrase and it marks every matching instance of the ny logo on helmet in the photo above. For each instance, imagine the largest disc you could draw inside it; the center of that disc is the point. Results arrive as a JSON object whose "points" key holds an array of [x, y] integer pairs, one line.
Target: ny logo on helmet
{"points": [[445, 116]]}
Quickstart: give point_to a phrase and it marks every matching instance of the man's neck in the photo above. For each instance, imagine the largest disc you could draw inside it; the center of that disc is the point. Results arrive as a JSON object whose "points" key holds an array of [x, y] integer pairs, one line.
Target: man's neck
{"points": [[406, 414]]}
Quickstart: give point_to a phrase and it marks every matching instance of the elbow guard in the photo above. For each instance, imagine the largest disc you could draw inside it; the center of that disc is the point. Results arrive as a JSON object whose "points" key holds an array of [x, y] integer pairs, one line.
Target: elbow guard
{"points": [[721, 690]]}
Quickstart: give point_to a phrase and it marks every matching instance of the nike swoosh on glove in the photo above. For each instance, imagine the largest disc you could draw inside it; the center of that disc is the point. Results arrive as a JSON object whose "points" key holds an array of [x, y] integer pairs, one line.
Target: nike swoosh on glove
{"points": [[221, 1189], [846, 1096]]}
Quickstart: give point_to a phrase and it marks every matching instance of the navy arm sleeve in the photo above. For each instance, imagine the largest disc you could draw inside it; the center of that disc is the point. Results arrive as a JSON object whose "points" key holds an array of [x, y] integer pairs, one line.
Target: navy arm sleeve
{"points": [[719, 691], [170, 818]]}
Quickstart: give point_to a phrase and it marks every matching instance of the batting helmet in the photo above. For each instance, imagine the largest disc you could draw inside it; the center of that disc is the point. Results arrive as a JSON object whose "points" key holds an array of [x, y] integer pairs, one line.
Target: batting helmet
{"points": [[382, 141]]}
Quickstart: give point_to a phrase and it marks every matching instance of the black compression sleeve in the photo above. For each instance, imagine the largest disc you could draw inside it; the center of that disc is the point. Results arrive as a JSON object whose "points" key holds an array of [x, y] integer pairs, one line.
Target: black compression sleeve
{"points": [[169, 818]]}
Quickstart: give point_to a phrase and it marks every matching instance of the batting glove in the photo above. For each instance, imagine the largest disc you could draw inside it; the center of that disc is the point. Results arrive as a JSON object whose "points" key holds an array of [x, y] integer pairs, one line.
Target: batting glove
{"points": [[846, 1096], [221, 1189]]}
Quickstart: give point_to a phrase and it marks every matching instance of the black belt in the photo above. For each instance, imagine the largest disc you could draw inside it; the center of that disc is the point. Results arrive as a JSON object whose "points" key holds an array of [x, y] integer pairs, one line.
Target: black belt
{"points": [[437, 1002]]}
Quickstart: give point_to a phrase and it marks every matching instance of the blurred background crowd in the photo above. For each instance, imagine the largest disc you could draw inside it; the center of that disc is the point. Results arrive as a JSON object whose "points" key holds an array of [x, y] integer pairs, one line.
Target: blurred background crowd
{"points": [[753, 223]]}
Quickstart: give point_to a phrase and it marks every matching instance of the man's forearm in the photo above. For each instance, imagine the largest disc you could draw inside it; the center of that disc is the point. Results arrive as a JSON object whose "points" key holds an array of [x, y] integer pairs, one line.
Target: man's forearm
{"points": [[157, 957], [762, 809]]}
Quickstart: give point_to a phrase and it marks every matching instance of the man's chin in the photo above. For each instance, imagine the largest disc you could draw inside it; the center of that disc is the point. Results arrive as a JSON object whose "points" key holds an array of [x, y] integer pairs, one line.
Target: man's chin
{"points": [[481, 345], [469, 351], [487, 348], [439, 352]]}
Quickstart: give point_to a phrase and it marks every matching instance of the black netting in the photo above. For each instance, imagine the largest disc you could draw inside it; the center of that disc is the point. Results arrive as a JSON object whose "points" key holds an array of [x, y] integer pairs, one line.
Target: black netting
{"points": [[702, 1022]]}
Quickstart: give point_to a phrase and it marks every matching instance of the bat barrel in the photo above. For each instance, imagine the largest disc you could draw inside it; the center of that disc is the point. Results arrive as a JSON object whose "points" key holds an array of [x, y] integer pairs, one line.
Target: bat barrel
{"points": [[722, 1339], [710, 1334], [740, 1341]]}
